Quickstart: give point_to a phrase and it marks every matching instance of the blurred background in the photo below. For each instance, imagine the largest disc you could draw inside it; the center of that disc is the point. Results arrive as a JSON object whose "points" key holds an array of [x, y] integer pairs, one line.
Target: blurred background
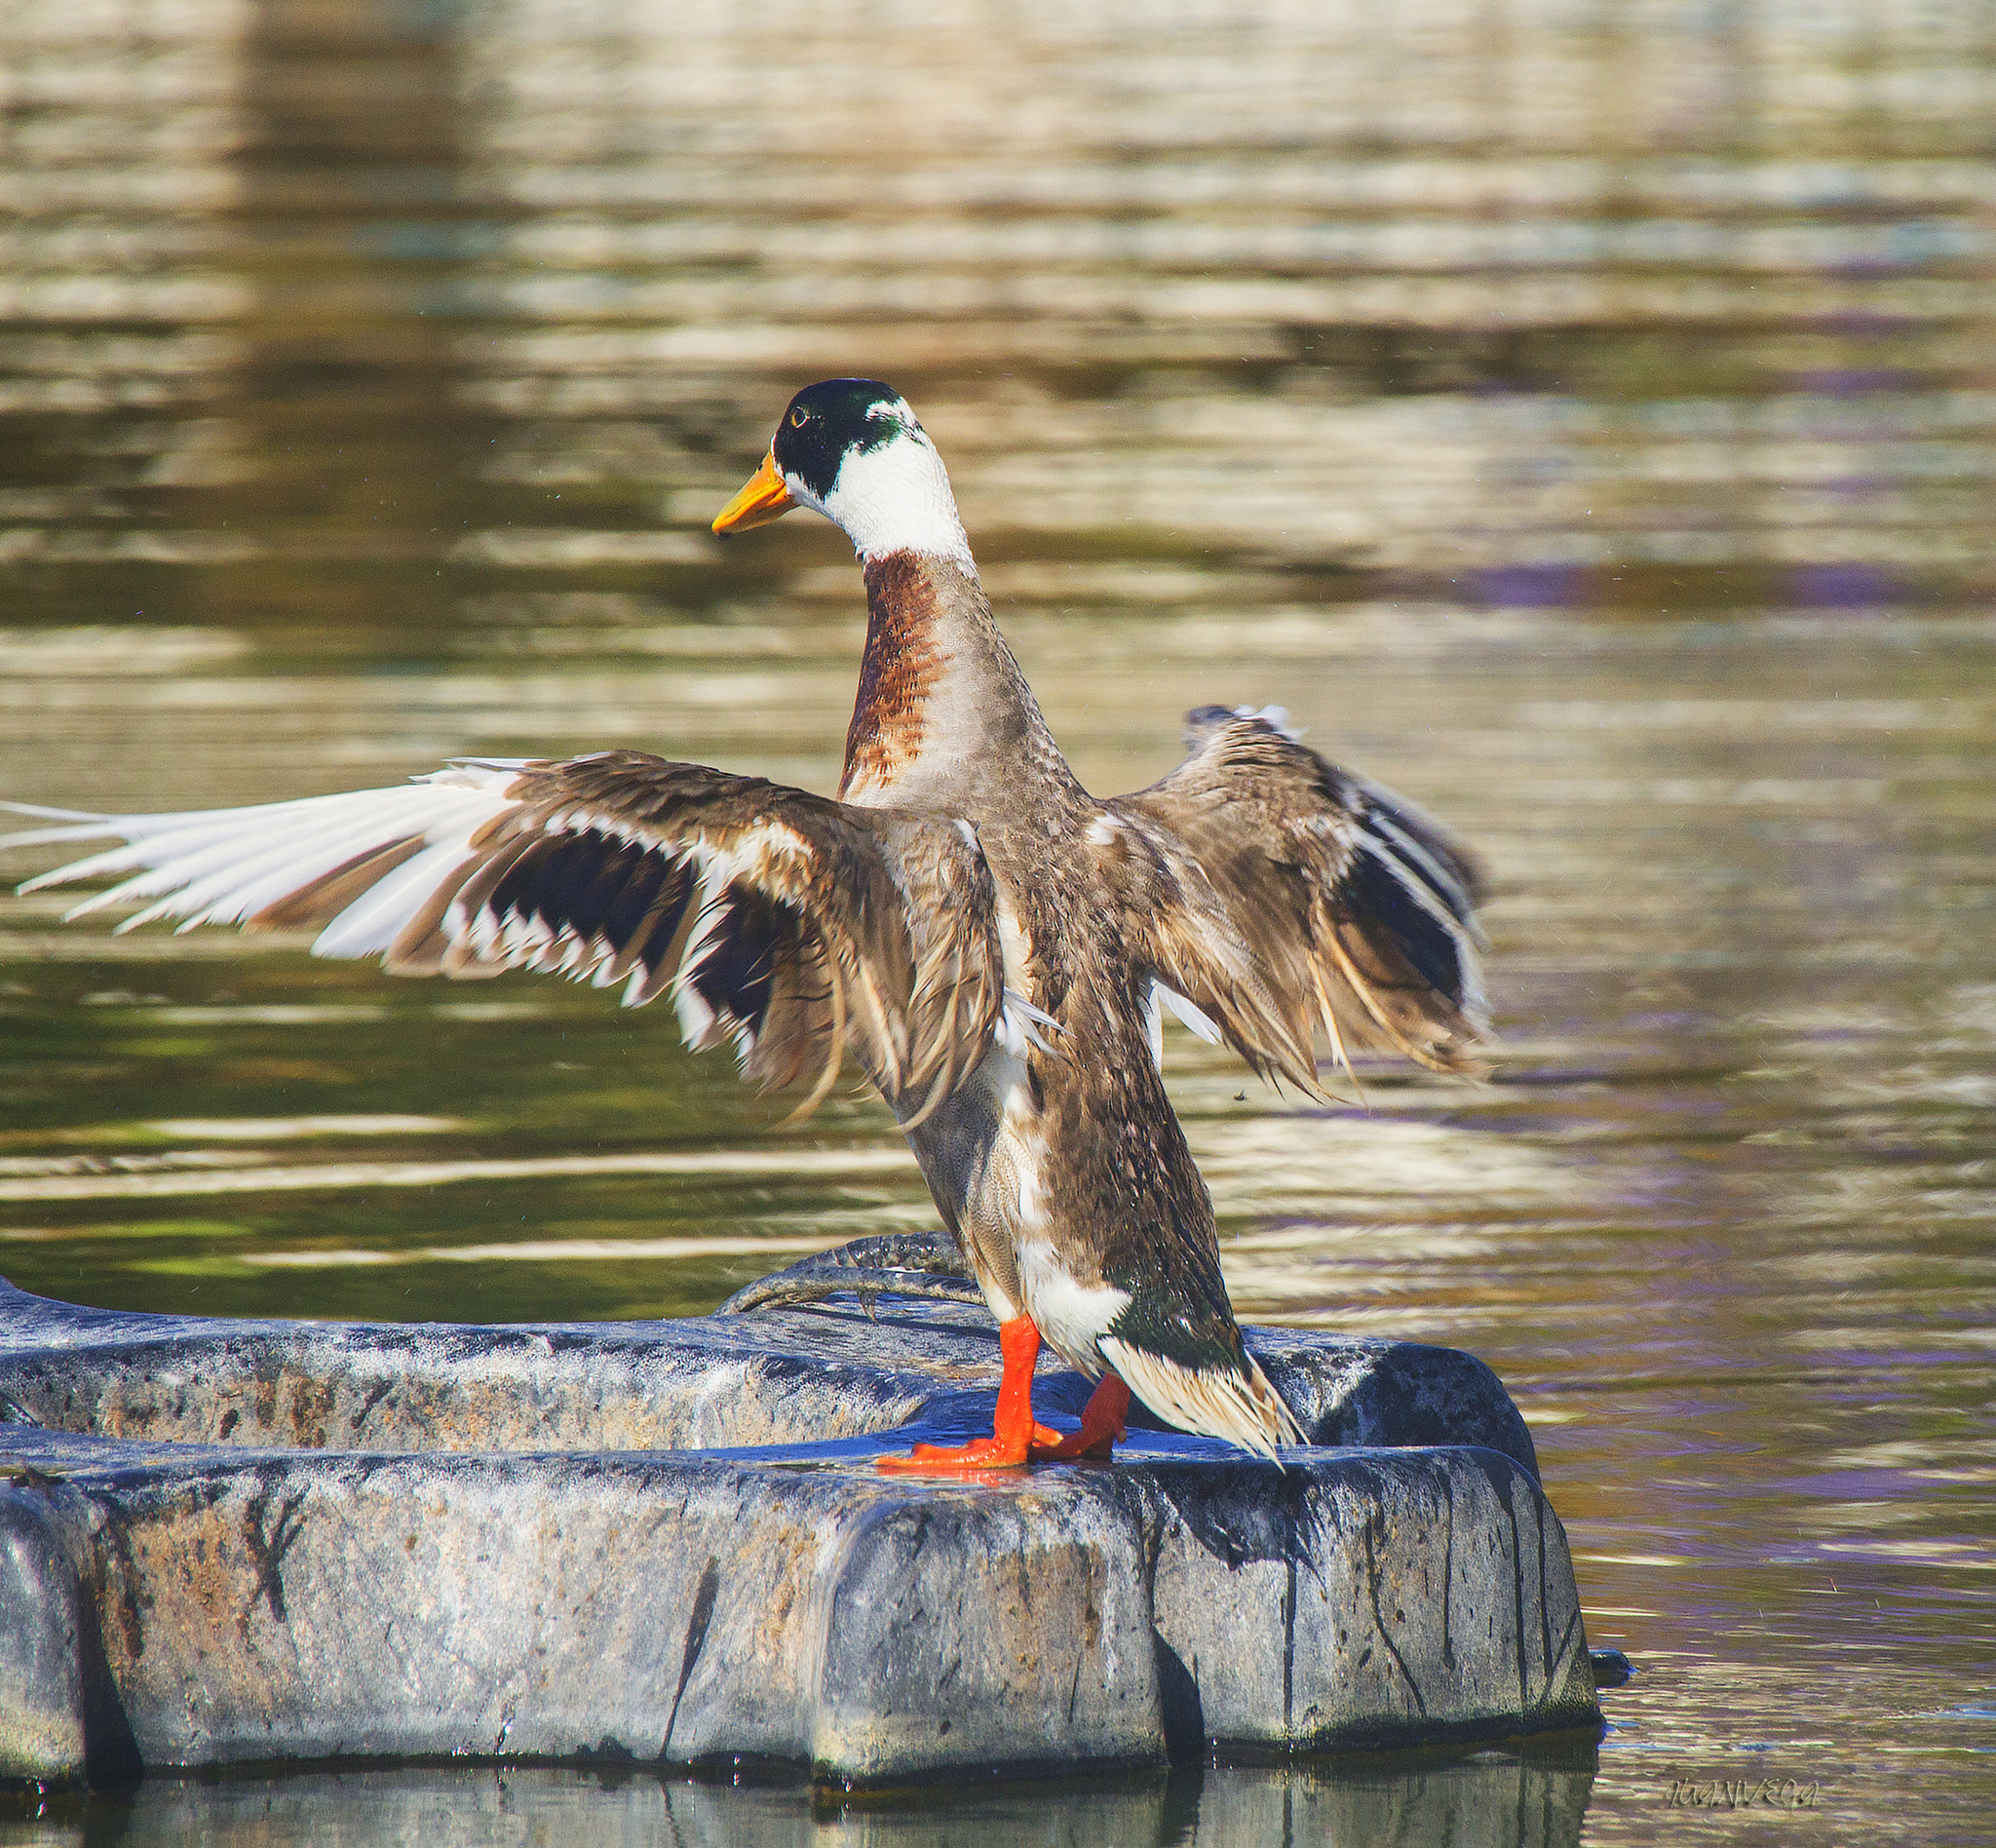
{"points": [[1580, 413]]}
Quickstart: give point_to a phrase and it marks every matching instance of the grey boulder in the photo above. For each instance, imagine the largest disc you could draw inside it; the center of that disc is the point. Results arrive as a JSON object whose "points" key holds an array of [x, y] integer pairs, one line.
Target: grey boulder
{"points": [[226, 1541]]}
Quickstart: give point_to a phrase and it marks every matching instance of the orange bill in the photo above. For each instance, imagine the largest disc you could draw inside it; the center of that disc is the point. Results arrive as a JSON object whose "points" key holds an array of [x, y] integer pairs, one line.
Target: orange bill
{"points": [[762, 499]]}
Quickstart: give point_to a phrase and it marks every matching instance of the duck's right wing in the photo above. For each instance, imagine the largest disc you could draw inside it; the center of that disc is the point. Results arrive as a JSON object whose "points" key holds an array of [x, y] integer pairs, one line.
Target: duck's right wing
{"points": [[790, 924]]}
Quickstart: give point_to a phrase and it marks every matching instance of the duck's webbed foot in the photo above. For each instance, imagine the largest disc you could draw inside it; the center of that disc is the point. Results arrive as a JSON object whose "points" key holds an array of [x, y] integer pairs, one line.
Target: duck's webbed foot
{"points": [[994, 1452], [918, 1264], [1104, 1421], [1013, 1430]]}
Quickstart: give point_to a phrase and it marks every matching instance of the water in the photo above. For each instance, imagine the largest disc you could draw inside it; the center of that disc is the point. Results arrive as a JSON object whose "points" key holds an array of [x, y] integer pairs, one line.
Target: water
{"points": [[1579, 416]]}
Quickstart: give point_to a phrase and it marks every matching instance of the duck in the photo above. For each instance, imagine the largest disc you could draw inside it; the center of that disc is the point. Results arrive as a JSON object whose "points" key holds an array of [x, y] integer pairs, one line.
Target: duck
{"points": [[995, 945]]}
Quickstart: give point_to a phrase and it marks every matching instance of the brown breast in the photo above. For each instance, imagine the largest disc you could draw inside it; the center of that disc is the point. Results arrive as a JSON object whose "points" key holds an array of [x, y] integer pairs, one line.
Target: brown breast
{"points": [[901, 664]]}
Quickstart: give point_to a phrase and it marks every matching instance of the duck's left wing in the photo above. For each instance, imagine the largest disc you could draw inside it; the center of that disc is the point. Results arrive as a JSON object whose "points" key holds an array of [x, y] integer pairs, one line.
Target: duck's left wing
{"points": [[1272, 890], [788, 923]]}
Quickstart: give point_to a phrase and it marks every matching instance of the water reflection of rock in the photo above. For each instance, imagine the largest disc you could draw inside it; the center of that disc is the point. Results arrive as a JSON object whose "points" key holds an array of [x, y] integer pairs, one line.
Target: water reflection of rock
{"points": [[1495, 1800]]}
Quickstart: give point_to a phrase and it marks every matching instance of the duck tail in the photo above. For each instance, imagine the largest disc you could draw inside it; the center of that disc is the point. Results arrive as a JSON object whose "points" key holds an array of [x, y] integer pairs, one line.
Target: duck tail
{"points": [[1234, 1400]]}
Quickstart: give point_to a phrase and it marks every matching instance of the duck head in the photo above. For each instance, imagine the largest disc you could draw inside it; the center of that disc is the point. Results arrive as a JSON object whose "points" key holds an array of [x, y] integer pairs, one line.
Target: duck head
{"points": [[850, 448]]}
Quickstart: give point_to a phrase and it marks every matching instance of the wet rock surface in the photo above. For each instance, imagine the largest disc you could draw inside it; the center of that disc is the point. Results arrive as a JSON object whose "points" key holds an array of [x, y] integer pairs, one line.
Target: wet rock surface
{"points": [[227, 1541]]}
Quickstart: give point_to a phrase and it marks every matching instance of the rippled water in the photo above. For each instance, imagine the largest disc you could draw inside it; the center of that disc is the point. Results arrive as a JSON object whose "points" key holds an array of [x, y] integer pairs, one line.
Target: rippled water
{"points": [[1582, 418]]}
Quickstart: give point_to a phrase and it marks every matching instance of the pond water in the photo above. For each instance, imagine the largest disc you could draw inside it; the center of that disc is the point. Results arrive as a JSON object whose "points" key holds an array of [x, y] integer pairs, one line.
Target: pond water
{"points": [[1580, 416]]}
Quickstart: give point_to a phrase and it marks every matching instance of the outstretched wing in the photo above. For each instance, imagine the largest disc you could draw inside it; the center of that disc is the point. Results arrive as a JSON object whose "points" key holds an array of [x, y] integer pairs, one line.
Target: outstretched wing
{"points": [[788, 923], [1280, 891]]}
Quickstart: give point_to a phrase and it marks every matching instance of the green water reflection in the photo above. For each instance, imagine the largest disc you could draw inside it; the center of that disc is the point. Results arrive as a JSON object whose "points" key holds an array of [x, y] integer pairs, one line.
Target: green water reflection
{"points": [[1580, 417], [1493, 1798]]}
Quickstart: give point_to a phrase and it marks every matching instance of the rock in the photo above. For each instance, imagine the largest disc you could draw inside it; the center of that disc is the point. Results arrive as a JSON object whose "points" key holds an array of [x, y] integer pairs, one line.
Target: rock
{"points": [[666, 1542], [777, 1377], [1612, 1668], [917, 1265], [41, 1666]]}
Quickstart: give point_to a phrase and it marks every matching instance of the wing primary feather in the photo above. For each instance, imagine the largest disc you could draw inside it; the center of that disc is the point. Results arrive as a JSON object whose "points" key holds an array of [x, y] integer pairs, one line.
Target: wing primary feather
{"points": [[193, 875], [313, 905], [36, 836], [303, 875], [375, 919], [660, 933]]}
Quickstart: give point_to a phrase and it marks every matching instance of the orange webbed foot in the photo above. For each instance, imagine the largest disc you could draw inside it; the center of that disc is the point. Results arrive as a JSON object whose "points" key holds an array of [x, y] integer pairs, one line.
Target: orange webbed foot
{"points": [[1077, 1447], [1013, 1431], [1103, 1424], [956, 1459]]}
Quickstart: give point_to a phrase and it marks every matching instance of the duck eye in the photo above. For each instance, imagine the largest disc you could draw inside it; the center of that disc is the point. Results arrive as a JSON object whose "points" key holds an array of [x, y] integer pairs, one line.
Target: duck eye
{"points": [[796, 420]]}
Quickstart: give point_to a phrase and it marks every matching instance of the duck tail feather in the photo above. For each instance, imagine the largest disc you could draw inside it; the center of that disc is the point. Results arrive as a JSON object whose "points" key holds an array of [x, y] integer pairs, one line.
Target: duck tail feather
{"points": [[1233, 1403]]}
